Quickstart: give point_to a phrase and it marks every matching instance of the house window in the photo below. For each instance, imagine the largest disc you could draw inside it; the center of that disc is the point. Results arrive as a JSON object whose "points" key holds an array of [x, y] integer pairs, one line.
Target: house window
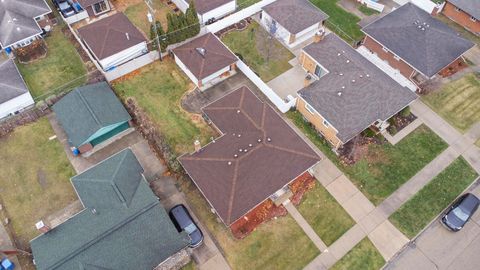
{"points": [[473, 19], [309, 108], [325, 123], [384, 49], [396, 58], [100, 7], [457, 9]]}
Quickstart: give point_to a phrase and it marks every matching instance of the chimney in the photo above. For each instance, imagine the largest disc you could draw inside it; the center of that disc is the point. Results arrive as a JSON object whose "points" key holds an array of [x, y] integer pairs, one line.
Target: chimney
{"points": [[197, 145], [128, 37], [319, 35], [41, 226]]}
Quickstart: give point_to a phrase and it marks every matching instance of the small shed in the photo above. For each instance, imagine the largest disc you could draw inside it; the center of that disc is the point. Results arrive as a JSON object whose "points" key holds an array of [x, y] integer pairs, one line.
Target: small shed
{"points": [[91, 115]]}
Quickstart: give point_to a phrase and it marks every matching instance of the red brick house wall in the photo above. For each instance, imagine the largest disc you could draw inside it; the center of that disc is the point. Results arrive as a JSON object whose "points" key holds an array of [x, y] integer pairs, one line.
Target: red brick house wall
{"points": [[404, 68], [461, 18], [268, 210]]}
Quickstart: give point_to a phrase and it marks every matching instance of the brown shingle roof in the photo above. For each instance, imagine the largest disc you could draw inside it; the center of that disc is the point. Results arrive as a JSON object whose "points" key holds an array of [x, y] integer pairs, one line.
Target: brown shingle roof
{"points": [[87, 3], [108, 36], [235, 184], [204, 6], [215, 57]]}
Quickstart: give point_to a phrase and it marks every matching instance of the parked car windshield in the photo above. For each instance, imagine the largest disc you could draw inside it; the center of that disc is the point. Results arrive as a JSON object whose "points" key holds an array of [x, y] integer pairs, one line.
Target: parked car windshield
{"points": [[190, 228], [458, 212]]}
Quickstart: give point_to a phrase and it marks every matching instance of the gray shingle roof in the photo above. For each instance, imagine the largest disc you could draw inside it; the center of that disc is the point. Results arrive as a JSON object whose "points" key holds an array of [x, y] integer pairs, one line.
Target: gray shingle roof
{"points": [[111, 35], [367, 94], [471, 7], [295, 15], [87, 109], [17, 19], [204, 6], [11, 82], [425, 43], [137, 236]]}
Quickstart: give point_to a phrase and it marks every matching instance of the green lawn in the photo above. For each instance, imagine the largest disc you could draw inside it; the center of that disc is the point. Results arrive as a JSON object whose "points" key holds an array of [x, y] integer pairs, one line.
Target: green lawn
{"points": [[158, 89], [417, 212], [457, 27], [61, 69], [363, 256], [477, 143], [324, 214], [137, 14], [189, 266], [278, 244], [385, 167], [241, 4], [458, 102], [35, 177], [346, 23], [367, 11], [267, 57]]}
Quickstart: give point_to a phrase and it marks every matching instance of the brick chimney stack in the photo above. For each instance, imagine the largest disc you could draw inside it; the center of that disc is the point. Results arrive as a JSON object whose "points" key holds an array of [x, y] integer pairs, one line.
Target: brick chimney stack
{"points": [[197, 145], [41, 226]]}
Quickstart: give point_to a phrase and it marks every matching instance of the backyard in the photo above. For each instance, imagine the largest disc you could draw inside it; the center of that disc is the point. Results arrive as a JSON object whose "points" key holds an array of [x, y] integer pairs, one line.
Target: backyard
{"points": [[137, 14], [384, 168], [340, 21], [458, 102], [262, 53], [417, 212], [158, 89], [35, 179], [62, 68], [279, 244], [363, 256], [324, 214]]}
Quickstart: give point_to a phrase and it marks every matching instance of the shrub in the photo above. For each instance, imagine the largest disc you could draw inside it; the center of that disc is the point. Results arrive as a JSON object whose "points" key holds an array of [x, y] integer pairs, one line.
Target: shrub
{"points": [[405, 112]]}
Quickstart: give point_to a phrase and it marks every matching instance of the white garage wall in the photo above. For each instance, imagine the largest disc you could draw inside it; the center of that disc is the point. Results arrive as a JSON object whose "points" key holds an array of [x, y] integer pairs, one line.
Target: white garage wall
{"points": [[218, 12], [124, 56], [181, 4], [215, 75], [186, 70], [17, 104], [281, 32]]}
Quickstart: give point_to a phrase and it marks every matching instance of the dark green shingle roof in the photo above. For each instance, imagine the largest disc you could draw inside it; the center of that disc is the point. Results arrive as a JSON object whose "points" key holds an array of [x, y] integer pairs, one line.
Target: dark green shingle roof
{"points": [[87, 109], [139, 235]]}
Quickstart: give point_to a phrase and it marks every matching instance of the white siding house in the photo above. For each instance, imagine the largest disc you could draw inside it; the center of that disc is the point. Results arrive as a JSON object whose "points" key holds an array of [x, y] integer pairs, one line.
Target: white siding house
{"points": [[14, 94], [292, 21], [209, 9]]}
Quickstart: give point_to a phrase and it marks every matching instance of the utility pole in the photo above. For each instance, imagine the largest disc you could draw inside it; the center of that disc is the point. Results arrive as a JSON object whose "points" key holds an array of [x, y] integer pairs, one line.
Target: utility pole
{"points": [[151, 19]]}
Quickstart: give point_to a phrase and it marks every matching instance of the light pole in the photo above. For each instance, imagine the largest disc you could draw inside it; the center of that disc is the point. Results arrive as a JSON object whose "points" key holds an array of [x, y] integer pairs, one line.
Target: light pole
{"points": [[151, 19]]}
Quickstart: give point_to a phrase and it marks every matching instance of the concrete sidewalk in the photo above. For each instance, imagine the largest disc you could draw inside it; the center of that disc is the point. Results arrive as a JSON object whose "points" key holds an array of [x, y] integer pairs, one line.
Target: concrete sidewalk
{"points": [[402, 133], [305, 226]]}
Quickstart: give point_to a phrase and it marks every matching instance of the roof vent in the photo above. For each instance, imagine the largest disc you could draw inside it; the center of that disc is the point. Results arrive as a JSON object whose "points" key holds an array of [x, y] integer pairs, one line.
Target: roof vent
{"points": [[269, 139], [361, 76], [250, 145], [339, 94], [235, 156], [368, 75], [343, 87], [245, 150], [238, 111], [240, 150], [229, 163], [127, 35], [259, 140], [94, 211], [341, 74], [353, 80], [338, 54], [201, 51], [239, 135], [348, 61]]}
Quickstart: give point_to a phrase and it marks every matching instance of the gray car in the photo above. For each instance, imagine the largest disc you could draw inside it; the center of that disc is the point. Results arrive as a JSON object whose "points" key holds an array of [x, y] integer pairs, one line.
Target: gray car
{"points": [[460, 212]]}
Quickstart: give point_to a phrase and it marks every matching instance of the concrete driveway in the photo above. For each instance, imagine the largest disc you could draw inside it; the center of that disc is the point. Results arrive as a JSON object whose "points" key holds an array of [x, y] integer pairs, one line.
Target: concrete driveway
{"points": [[438, 248]]}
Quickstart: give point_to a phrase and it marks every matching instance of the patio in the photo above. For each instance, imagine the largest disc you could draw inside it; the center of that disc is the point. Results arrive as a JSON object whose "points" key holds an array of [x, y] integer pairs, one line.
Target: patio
{"points": [[290, 82]]}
